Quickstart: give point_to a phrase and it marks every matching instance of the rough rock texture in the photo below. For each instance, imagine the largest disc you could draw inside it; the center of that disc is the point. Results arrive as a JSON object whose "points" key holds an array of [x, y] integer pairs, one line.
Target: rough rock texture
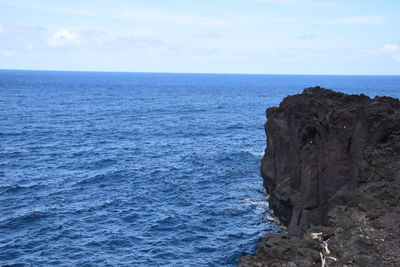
{"points": [[332, 166]]}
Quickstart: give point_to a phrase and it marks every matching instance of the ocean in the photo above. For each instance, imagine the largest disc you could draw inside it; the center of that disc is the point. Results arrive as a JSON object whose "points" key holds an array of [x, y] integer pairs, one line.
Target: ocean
{"points": [[140, 169]]}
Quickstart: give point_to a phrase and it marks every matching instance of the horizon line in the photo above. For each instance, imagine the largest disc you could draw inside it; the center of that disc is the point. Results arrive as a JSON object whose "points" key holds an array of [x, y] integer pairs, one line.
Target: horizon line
{"points": [[206, 73]]}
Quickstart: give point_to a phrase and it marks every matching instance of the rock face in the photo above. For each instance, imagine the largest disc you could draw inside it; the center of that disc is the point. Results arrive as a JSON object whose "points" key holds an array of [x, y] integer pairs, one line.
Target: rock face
{"points": [[332, 166]]}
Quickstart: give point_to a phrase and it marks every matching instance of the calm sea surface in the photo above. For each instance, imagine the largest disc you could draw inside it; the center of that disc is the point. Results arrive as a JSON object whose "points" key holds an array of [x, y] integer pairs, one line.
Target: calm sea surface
{"points": [[139, 169]]}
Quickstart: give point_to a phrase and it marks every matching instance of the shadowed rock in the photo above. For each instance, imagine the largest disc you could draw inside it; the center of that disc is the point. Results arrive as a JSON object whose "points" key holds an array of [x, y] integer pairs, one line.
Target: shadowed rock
{"points": [[332, 164]]}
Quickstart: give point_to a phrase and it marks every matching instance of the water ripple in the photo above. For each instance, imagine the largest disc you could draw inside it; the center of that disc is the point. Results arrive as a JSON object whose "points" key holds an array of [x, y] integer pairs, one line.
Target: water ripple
{"points": [[121, 169]]}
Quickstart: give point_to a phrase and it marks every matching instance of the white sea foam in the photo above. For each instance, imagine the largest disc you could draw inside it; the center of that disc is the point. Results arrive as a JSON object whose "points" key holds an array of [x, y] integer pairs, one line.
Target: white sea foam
{"points": [[35, 210], [254, 153], [269, 218], [109, 201], [256, 202]]}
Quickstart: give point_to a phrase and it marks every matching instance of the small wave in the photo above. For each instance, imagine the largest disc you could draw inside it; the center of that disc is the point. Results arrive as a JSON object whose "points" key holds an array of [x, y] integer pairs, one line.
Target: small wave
{"points": [[235, 126], [168, 223], [257, 205], [268, 218], [18, 188], [11, 133], [110, 177], [109, 201], [255, 201], [24, 219], [241, 156], [206, 249], [254, 153]]}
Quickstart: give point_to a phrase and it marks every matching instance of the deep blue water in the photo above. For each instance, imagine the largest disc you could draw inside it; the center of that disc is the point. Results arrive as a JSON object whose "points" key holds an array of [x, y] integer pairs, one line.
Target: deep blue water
{"points": [[136, 169]]}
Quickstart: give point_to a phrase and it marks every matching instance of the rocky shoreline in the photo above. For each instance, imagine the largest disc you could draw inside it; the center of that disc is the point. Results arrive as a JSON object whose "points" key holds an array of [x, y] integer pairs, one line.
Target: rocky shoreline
{"points": [[332, 172]]}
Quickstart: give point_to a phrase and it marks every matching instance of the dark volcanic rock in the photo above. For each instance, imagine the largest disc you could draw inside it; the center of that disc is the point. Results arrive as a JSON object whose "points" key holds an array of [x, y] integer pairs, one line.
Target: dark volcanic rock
{"points": [[332, 166]]}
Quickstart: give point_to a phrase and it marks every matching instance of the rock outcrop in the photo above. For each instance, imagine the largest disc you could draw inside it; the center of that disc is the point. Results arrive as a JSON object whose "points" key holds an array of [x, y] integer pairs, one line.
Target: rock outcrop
{"points": [[332, 172]]}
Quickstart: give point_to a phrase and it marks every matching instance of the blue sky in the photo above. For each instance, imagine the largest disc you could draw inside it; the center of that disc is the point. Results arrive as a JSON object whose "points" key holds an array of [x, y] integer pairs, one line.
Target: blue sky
{"points": [[219, 36]]}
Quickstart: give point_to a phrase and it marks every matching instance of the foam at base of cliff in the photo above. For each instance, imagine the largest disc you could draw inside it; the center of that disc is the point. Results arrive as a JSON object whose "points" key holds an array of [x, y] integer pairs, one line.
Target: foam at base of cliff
{"points": [[332, 165]]}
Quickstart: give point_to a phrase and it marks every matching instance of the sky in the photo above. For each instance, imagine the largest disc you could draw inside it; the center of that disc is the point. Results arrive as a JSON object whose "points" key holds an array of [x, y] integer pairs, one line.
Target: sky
{"points": [[354, 37]]}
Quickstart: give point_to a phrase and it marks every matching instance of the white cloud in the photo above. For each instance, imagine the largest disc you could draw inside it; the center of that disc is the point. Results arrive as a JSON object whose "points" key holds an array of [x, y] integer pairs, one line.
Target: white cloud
{"points": [[392, 50], [306, 37], [309, 3], [357, 20], [43, 6], [280, 2], [29, 46], [208, 36], [63, 38], [390, 47], [2, 28], [125, 11], [132, 13], [8, 53], [120, 11]]}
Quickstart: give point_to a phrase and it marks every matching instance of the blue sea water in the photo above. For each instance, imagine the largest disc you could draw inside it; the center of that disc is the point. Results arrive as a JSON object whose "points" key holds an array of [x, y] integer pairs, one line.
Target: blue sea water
{"points": [[139, 169]]}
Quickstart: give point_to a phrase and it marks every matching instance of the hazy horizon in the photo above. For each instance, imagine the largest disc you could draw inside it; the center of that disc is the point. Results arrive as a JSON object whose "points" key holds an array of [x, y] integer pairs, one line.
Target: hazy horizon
{"points": [[206, 73], [303, 37]]}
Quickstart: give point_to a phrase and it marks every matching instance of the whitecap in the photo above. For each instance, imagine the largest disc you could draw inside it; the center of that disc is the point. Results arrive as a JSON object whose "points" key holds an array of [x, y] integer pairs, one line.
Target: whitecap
{"points": [[109, 201], [254, 153]]}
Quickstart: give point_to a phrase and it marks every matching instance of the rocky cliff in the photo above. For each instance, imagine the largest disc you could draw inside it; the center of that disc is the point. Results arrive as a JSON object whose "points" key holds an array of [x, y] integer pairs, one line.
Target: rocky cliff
{"points": [[332, 172]]}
